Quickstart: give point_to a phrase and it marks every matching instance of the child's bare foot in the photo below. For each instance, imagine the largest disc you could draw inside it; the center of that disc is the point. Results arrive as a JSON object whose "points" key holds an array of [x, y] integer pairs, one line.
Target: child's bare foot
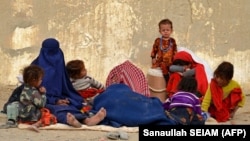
{"points": [[98, 117], [71, 120], [33, 128]]}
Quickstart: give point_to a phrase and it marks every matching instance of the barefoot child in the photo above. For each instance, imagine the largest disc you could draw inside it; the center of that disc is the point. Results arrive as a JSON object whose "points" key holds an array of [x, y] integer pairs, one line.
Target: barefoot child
{"points": [[85, 85], [90, 121], [63, 101]]}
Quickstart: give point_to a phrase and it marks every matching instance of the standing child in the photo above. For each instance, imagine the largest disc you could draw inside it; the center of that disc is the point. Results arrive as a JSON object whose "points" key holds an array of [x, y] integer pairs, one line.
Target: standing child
{"points": [[164, 48], [32, 99], [87, 86]]}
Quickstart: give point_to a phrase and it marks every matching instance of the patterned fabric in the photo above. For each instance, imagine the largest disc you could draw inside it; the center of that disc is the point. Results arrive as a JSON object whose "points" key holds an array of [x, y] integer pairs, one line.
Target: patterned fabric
{"points": [[163, 51], [31, 101], [185, 116], [86, 82], [129, 74]]}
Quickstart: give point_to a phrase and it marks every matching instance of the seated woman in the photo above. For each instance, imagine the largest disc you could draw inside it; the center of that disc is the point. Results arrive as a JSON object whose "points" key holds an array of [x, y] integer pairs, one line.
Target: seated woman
{"points": [[224, 95], [123, 105], [189, 67], [184, 106], [62, 99]]}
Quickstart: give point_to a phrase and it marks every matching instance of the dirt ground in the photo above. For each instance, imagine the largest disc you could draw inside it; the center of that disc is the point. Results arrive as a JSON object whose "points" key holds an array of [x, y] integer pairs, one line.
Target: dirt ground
{"points": [[16, 134]]}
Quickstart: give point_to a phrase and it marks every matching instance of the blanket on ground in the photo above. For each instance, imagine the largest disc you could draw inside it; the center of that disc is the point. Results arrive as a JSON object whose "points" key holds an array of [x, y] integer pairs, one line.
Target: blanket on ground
{"points": [[128, 108]]}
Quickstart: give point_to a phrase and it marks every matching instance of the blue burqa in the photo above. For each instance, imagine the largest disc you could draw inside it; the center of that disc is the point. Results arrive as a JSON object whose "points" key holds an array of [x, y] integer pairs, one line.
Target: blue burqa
{"points": [[57, 83], [128, 108], [124, 106]]}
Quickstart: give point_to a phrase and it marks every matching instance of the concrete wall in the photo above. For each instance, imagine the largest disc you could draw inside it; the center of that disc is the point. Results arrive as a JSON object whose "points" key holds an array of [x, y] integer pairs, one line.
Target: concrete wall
{"points": [[104, 33]]}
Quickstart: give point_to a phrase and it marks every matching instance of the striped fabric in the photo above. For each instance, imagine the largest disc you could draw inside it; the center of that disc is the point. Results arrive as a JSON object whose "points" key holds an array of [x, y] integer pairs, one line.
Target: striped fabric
{"points": [[127, 73], [183, 99]]}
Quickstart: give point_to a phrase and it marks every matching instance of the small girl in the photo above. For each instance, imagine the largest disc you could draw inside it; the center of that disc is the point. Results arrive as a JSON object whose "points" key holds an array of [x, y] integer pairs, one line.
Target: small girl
{"points": [[32, 99], [224, 95], [184, 106]]}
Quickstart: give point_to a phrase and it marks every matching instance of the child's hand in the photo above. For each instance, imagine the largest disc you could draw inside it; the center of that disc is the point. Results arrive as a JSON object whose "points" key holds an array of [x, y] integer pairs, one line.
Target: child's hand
{"points": [[186, 68], [233, 111], [42, 90], [62, 102]]}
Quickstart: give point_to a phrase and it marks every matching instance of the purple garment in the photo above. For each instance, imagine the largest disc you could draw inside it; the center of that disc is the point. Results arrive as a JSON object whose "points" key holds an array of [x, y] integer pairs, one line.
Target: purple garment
{"points": [[183, 99]]}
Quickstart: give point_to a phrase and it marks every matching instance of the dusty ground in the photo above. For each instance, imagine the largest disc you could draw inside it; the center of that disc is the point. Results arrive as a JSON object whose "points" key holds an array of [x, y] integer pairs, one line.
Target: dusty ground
{"points": [[15, 134]]}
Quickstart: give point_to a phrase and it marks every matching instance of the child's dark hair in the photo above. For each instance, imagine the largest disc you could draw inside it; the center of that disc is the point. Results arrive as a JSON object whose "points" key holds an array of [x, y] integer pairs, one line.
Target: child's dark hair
{"points": [[165, 21], [224, 71], [180, 62], [188, 84], [74, 68], [32, 73]]}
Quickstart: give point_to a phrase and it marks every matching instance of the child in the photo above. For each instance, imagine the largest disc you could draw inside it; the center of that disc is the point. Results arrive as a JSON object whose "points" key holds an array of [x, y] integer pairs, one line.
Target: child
{"points": [[87, 86], [224, 95], [184, 106], [164, 48], [63, 101], [189, 67], [32, 99]]}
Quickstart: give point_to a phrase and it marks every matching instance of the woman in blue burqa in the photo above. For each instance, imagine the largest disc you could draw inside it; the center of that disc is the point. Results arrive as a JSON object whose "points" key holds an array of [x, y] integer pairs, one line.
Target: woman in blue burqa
{"points": [[117, 106], [62, 99]]}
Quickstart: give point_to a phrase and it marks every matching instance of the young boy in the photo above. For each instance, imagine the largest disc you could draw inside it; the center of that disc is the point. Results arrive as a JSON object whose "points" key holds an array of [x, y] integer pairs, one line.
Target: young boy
{"points": [[32, 99]]}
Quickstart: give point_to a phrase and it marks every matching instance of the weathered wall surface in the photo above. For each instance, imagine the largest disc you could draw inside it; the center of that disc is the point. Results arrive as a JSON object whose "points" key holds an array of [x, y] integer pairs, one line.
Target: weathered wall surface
{"points": [[104, 33]]}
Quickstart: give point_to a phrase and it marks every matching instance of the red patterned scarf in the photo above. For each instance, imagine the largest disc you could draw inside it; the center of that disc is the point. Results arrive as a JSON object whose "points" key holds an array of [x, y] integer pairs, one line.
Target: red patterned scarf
{"points": [[127, 73]]}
